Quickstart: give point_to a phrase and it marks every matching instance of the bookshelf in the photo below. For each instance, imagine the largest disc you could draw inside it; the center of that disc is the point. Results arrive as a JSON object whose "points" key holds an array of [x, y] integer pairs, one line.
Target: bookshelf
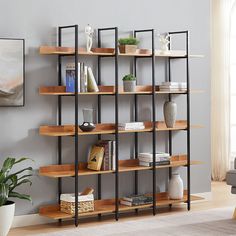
{"points": [[78, 168]]}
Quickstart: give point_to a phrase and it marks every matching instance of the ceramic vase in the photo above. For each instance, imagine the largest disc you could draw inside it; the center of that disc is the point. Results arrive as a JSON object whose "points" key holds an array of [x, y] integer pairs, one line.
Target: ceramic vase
{"points": [[176, 188], [88, 124], [129, 85], [170, 113], [6, 217]]}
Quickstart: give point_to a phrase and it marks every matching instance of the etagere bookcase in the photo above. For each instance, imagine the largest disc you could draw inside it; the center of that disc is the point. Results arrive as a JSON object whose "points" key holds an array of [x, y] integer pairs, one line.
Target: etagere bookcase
{"points": [[104, 206]]}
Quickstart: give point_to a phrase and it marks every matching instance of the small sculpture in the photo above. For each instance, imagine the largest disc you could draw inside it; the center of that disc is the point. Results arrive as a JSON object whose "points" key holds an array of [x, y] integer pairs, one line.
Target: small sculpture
{"points": [[89, 31], [164, 39]]}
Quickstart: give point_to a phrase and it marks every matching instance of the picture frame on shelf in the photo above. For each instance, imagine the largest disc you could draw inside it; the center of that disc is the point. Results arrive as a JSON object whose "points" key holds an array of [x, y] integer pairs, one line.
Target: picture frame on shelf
{"points": [[12, 77]]}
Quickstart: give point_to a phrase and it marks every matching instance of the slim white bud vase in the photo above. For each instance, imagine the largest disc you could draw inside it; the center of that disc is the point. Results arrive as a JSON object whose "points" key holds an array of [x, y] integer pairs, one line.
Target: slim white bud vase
{"points": [[176, 187], [170, 113]]}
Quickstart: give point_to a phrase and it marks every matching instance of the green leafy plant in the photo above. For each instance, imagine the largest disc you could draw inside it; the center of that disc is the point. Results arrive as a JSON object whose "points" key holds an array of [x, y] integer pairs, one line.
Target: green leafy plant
{"points": [[128, 41], [129, 77], [9, 181]]}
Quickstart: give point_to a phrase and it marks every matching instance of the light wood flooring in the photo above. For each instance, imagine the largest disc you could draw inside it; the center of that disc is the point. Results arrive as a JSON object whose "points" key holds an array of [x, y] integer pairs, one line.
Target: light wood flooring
{"points": [[221, 197]]}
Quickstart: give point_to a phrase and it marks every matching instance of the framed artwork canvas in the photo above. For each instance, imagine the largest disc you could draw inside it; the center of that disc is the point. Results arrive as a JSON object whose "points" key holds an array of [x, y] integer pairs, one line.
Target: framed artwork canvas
{"points": [[12, 72]]}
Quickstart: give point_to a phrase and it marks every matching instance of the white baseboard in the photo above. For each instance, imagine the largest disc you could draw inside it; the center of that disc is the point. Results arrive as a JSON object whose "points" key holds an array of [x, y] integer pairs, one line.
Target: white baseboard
{"points": [[36, 219], [31, 219]]}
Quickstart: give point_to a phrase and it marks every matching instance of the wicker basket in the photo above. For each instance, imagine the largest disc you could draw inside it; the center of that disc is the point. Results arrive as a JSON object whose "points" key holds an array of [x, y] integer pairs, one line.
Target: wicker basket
{"points": [[67, 203]]}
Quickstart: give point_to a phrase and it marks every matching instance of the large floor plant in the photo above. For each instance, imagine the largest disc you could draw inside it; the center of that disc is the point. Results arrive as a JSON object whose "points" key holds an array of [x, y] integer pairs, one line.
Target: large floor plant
{"points": [[9, 181]]}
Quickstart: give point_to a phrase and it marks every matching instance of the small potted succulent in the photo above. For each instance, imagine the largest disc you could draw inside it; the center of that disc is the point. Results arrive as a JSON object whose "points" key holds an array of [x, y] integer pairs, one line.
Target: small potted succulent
{"points": [[128, 45], [129, 83], [8, 183]]}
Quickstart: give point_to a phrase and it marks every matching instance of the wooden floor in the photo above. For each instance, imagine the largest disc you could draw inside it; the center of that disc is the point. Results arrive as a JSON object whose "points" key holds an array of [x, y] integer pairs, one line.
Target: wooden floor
{"points": [[221, 197]]}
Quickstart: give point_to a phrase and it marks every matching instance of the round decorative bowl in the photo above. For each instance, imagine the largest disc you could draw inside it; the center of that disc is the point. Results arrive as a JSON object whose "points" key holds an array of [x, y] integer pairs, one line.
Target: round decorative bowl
{"points": [[87, 126]]}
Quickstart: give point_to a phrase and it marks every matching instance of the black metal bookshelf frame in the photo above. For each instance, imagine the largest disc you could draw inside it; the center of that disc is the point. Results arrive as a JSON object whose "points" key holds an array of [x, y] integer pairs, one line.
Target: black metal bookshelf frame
{"points": [[99, 106]]}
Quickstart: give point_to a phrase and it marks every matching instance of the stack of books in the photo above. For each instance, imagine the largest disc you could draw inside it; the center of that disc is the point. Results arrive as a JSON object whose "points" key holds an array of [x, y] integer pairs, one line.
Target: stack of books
{"points": [[173, 86], [136, 200], [86, 79], [102, 156], [146, 159], [131, 126]]}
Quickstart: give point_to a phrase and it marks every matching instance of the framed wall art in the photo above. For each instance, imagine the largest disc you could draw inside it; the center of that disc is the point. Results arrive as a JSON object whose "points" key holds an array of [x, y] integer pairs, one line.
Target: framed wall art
{"points": [[12, 72]]}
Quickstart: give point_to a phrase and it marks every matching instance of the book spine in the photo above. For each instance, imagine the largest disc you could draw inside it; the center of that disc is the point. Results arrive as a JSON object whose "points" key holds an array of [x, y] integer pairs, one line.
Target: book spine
{"points": [[82, 85], [114, 155], [79, 77], [92, 84], [150, 164], [85, 78], [70, 79]]}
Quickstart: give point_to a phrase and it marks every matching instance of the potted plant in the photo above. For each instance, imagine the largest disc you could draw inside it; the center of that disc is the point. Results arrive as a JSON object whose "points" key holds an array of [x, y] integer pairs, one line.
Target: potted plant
{"points": [[129, 83], [8, 183], [128, 45]]}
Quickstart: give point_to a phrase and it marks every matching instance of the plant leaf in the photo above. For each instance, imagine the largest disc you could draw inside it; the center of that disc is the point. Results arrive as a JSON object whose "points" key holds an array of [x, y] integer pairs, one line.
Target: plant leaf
{"points": [[23, 159], [24, 181], [20, 196], [16, 173], [4, 192]]}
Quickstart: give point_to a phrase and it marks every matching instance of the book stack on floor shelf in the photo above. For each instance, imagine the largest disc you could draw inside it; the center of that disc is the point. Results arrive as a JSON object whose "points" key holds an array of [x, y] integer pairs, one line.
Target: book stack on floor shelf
{"points": [[173, 86], [146, 159], [131, 126], [102, 156], [136, 200], [86, 79]]}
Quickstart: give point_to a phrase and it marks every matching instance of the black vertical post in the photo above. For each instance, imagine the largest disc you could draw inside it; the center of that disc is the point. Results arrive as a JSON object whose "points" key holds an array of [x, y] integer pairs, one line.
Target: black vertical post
{"points": [[76, 128], [188, 120], [116, 128], [170, 132], [99, 113], [170, 97], [135, 119], [59, 119], [154, 122]]}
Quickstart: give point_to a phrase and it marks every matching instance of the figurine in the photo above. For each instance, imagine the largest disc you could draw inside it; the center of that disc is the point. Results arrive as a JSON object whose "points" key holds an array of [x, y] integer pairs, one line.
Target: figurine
{"points": [[89, 31], [164, 40]]}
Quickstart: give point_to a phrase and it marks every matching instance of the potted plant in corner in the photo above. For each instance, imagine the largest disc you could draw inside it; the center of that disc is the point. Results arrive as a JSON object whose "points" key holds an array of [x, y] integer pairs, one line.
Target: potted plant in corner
{"points": [[128, 45], [129, 83], [8, 183]]}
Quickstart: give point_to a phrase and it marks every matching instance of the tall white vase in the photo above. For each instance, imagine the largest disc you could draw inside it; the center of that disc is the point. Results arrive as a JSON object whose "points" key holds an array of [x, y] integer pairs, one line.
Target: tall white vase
{"points": [[170, 113], [176, 187], [6, 218]]}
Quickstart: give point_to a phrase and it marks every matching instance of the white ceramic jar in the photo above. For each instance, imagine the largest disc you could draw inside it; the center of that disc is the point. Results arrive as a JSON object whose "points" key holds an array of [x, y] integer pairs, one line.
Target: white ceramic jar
{"points": [[176, 188]]}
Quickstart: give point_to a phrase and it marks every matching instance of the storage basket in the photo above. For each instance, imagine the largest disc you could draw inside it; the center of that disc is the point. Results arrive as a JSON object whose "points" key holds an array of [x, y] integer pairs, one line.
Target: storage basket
{"points": [[67, 203]]}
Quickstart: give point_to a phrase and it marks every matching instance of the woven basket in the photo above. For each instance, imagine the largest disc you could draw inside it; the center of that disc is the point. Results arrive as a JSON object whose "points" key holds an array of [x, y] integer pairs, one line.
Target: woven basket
{"points": [[85, 204]]}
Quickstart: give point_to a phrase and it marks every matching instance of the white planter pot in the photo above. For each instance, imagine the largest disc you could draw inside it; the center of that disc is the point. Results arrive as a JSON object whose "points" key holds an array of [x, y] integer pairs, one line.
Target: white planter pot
{"points": [[176, 188], [6, 217]]}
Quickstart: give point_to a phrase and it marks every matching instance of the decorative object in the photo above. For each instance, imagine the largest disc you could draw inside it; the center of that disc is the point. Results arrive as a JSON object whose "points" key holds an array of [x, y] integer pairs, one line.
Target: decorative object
{"points": [[170, 113], [8, 183], [88, 124], [89, 31], [129, 82], [164, 40], [176, 188], [12, 76], [128, 45], [95, 158], [67, 203]]}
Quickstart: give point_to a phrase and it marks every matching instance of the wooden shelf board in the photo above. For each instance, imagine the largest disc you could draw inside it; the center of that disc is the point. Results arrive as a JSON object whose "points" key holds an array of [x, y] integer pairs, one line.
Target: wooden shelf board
{"points": [[108, 206], [52, 50], [68, 170], [108, 90], [109, 128]]}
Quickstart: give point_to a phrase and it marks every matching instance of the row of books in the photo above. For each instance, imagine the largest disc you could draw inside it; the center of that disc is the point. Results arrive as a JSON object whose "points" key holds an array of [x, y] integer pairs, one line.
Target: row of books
{"points": [[173, 86], [86, 79], [131, 126], [136, 200], [102, 156], [146, 159]]}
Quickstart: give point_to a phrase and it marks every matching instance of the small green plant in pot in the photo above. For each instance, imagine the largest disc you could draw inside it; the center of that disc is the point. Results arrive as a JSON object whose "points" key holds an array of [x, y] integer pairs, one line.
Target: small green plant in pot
{"points": [[129, 82], [8, 184], [128, 45]]}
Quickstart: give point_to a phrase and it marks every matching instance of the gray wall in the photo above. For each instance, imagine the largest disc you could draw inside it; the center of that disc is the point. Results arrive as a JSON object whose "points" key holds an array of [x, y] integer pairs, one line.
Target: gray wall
{"points": [[36, 21]]}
